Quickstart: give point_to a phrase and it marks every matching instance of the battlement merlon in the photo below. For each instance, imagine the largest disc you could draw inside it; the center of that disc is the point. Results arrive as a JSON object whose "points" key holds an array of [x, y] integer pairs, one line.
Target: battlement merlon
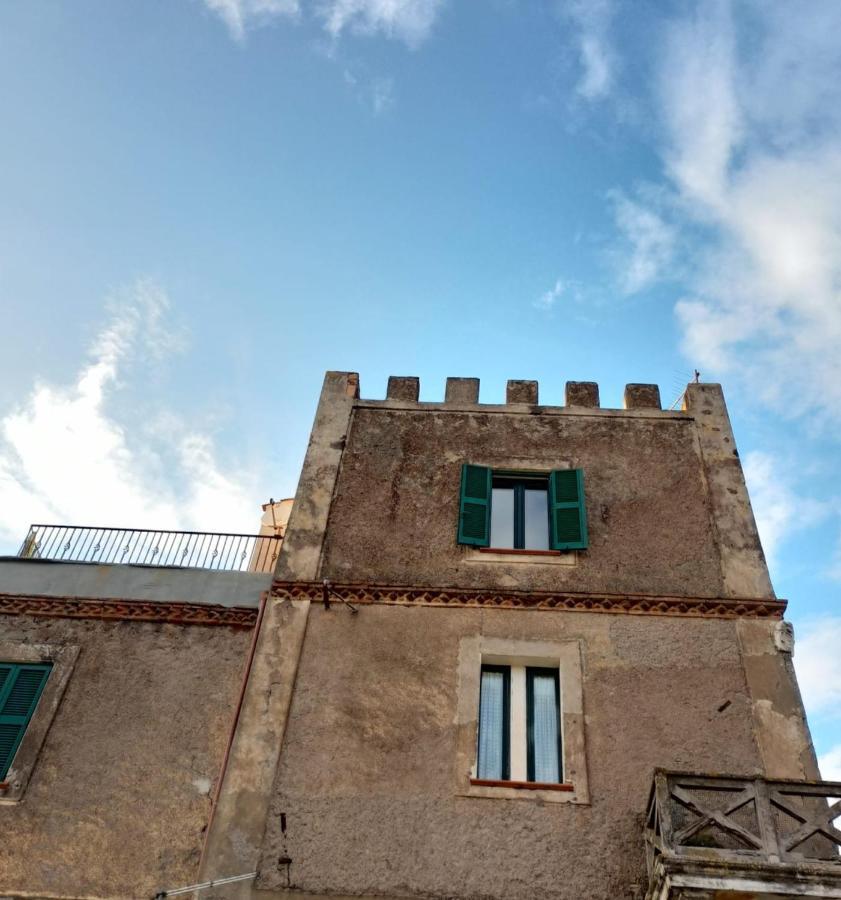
{"points": [[520, 394]]}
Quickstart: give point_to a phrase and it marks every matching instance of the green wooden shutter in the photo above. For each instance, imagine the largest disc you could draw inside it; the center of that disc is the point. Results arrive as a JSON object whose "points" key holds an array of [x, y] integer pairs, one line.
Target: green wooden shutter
{"points": [[20, 687], [474, 520], [567, 511]]}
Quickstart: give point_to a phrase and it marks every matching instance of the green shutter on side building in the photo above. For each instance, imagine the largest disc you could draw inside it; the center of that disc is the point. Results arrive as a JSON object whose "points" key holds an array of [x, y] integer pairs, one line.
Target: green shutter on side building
{"points": [[567, 511], [20, 687], [474, 520]]}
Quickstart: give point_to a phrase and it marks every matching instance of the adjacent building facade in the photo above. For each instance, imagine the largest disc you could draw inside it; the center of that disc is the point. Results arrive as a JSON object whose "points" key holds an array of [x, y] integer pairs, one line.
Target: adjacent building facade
{"points": [[508, 652]]}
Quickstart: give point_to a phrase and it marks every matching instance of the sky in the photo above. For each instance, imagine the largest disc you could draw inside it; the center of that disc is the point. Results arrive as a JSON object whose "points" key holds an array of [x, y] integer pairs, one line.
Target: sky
{"points": [[205, 204]]}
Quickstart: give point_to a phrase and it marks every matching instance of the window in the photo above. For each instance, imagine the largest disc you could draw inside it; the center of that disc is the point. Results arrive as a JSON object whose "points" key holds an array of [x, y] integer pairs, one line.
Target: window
{"points": [[21, 685], [520, 720], [519, 734], [522, 510]]}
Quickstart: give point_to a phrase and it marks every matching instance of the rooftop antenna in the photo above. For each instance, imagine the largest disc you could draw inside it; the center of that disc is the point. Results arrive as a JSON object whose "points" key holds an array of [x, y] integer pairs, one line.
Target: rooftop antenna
{"points": [[696, 377]]}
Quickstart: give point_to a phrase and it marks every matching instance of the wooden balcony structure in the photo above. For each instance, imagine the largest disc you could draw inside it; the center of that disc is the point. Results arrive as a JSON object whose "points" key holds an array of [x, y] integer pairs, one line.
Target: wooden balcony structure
{"points": [[712, 837]]}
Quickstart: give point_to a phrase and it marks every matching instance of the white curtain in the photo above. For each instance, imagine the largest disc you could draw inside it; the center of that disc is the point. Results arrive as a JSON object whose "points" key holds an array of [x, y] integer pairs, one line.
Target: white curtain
{"points": [[491, 726], [545, 729]]}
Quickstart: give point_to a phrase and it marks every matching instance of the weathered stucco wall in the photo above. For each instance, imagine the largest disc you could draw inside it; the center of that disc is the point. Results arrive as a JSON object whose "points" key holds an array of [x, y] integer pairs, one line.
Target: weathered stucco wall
{"points": [[395, 508], [367, 794], [120, 794]]}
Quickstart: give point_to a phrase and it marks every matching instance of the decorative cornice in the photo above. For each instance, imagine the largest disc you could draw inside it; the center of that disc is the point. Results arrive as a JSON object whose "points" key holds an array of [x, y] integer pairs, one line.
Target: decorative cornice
{"points": [[632, 604], [128, 610]]}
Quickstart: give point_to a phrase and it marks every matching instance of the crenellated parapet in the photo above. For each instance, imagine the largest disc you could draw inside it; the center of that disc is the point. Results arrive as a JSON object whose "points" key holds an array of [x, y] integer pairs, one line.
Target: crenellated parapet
{"points": [[579, 395]]}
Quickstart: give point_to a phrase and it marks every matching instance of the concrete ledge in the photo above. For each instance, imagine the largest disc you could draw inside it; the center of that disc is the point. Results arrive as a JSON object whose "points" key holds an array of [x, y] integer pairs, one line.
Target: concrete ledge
{"points": [[674, 879], [50, 578]]}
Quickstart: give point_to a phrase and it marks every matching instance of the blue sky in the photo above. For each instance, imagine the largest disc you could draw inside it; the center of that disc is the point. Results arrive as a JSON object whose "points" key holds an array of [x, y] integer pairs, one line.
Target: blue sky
{"points": [[207, 203]]}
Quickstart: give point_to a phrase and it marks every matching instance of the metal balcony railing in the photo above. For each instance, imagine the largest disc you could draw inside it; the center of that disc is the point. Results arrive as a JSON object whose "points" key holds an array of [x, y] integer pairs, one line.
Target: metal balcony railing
{"points": [[146, 547], [751, 820]]}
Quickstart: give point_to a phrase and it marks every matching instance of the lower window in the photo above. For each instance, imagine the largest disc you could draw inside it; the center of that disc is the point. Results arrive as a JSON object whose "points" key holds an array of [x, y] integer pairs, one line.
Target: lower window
{"points": [[519, 725], [21, 685]]}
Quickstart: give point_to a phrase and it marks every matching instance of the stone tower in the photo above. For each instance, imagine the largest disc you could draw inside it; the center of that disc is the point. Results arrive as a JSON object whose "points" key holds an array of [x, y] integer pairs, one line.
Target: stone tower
{"points": [[498, 639]]}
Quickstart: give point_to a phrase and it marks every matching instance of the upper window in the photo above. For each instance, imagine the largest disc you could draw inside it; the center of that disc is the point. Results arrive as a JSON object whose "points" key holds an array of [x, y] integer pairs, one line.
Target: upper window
{"points": [[522, 510], [20, 687]]}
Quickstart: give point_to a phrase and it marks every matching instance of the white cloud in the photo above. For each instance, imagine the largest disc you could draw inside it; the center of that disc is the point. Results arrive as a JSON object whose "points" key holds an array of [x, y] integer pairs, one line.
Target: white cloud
{"points": [[408, 20], [701, 113], [818, 665], [649, 243], [548, 299], [757, 168], [242, 15], [830, 765], [66, 458], [382, 95], [591, 20], [778, 509]]}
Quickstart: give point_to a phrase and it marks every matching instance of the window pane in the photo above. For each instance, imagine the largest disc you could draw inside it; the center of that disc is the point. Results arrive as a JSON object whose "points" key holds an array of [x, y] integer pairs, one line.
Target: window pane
{"points": [[491, 726], [502, 517], [545, 725], [537, 520]]}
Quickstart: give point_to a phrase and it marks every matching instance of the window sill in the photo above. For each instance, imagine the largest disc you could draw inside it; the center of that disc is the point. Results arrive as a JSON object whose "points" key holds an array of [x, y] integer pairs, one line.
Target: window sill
{"points": [[519, 552], [527, 791], [523, 785], [496, 555]]}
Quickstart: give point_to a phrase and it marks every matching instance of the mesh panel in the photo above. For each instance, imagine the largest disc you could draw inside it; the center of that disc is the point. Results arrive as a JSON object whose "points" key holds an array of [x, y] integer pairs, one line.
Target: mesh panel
{"points": [[567, 526], [713, 835], [746, 817], [817, 846]]}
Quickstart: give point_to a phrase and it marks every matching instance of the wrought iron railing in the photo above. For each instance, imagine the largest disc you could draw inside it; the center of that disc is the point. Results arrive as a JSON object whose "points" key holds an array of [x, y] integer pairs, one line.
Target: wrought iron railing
{"points": [[143, 546], [729, 819]]}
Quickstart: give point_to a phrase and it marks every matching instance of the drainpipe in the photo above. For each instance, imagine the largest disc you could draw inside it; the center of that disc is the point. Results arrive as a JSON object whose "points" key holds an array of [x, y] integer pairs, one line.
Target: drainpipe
{"points": [[245, 675]]}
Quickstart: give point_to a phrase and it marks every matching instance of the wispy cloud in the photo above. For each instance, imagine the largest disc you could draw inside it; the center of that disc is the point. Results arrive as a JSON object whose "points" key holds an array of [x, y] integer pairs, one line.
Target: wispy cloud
{"points": [[830, 765], [382, 95], [242, 15], [548, 298], [818, 665], [591, 21], [647, 243], [376, 93], [407, 20], [751, 166], [779, 509], [66, 457]]}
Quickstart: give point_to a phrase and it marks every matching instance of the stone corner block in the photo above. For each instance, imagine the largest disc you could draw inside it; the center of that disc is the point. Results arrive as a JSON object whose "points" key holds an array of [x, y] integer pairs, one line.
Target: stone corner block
{"points": [[582, 393], [462, 390], [642, 396], [346, 383], [403, 387], [521, 392]]}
